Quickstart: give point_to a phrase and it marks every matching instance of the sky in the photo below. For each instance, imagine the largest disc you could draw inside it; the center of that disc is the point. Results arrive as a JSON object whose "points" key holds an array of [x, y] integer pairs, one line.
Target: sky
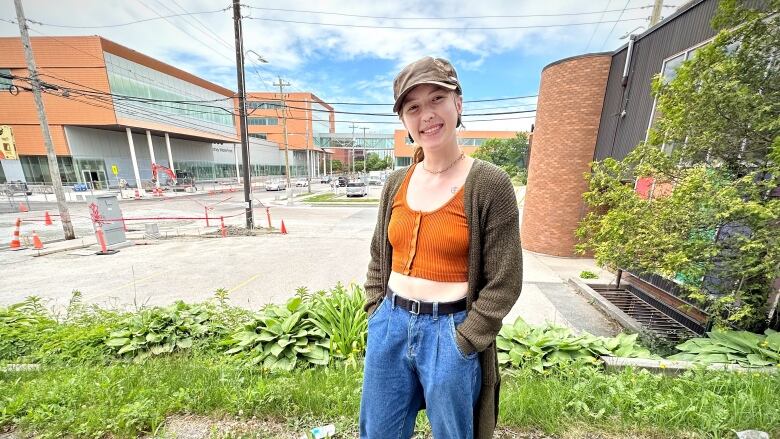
{"points": [[349, 51]]}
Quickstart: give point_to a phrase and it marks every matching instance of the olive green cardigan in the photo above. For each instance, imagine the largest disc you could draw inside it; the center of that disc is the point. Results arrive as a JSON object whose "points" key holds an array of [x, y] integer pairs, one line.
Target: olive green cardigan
{"points": [[495, 274]]}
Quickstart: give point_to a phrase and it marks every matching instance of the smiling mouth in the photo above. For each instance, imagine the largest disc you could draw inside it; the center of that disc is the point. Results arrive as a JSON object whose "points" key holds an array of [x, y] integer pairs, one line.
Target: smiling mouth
{"points": [[432, 130]]}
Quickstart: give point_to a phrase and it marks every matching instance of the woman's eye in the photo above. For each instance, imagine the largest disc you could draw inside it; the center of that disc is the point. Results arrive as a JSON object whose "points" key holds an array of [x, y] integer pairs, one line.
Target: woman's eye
{"points": [[438, 98], [412, 108]]}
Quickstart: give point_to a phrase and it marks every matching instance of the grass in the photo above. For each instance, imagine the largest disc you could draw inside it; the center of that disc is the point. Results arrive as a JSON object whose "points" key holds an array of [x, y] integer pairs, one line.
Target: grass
{"points": [[125, 400], [329, 197]]}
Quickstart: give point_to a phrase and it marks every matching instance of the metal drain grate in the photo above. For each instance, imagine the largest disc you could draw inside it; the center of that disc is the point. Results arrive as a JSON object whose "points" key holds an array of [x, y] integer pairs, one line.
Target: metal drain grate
{"points": [[650, 317]]}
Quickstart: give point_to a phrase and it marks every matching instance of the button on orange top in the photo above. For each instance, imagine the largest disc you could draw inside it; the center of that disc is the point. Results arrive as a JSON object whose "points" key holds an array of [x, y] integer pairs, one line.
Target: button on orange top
{"points": [[430, 245]]}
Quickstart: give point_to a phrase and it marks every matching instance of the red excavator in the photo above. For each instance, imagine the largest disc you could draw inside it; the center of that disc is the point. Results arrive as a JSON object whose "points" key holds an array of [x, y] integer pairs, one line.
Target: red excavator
{"points": [[177, 181]]}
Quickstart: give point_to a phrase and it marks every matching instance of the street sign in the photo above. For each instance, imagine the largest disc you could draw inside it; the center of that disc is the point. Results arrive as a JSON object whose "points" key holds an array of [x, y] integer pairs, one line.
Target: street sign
{"points": [[115, 170]]}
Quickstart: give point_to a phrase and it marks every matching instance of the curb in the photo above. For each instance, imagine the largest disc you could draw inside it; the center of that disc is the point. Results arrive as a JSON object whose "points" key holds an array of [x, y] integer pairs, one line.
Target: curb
{"points": [[606, 306], [670, 367]]}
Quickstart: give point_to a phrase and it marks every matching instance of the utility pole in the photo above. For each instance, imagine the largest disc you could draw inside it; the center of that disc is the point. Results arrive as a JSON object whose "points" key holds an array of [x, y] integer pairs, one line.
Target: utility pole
{"points": [[352, 149], [308, 151], [54, 169], [281, 85], [655, 17], [250, 222], [365, 151]]}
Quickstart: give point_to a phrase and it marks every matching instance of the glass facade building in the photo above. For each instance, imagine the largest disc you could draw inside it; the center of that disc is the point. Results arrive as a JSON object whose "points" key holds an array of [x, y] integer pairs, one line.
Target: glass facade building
{"points": [[142, 88]]}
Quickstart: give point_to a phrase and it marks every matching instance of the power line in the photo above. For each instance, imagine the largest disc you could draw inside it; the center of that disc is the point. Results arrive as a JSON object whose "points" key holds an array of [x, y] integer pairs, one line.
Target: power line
{"points": [[469, 28], [144, 20], [615, 24], [181, 29], [597, 26], [99, 94], [107, 61], [390, 104], [473, 17], [195, 19]]}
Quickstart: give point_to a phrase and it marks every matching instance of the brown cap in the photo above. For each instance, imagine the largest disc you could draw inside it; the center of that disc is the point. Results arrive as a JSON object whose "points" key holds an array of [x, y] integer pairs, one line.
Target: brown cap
{"points": [[428, 70]]}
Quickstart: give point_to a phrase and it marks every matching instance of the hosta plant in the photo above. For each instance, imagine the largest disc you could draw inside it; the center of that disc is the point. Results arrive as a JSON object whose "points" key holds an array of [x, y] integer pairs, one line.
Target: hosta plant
{"points": [[736, 347], [281, 337], [340, 314], [542, 347], [160, 330]]}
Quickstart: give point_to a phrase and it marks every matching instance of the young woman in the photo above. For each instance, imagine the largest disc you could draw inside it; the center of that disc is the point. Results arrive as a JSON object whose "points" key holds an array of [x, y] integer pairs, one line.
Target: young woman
{"points": [[446, 267]]}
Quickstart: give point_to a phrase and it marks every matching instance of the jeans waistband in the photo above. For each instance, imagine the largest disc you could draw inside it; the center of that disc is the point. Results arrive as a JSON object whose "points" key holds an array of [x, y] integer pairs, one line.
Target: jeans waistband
{"points": [[423, 307]]}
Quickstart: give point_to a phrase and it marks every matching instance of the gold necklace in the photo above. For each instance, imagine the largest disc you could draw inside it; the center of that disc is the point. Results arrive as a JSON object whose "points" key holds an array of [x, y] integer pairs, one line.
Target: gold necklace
{"points": [[460, 157]]}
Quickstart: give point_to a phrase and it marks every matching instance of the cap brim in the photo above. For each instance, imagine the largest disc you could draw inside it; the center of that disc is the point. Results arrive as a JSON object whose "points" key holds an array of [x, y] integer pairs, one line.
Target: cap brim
{"points": [[397, 104]]}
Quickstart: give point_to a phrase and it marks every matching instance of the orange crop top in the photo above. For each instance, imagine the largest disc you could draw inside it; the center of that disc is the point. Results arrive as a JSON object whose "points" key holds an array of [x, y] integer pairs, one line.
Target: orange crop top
{"points": [[430, 245]]}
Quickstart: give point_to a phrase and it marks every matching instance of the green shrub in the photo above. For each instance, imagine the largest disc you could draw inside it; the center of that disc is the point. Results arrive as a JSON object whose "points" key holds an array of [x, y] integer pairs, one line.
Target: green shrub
{"points": [[539, 348], [585, 274], [340, 314], [279, 337], [21, 327], [161, 330], [744, 348]]}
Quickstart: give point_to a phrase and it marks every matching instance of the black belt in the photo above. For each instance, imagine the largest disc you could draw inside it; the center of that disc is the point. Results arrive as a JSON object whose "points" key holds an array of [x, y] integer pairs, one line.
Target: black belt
{"points": [[419, 307]]}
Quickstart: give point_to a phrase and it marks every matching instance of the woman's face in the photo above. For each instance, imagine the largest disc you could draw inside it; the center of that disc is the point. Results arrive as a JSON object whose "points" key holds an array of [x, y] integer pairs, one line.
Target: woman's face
{"points": [[430, 114]]}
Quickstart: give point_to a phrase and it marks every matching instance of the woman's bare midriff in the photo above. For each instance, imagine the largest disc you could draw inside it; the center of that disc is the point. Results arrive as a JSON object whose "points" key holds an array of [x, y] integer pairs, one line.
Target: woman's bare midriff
{"points": [[426, 290]]}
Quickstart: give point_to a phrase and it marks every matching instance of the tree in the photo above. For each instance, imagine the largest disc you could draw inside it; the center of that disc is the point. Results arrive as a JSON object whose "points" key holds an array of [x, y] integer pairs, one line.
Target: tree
{"points": [[377, 164], [509, 154], [337, 166], [712, 223]]}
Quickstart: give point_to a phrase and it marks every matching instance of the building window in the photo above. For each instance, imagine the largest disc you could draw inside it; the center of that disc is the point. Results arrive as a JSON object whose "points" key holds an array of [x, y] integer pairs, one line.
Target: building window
{"points": [[36, 169], [5, 79], [471, 142], [403, 161], [262, 121], [668, 73], [263, 136], [263, 105]]}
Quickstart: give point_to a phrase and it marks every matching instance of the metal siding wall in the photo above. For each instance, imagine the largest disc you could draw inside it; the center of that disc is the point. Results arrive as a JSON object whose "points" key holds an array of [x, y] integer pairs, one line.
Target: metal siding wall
{"points": [[682, 32]]}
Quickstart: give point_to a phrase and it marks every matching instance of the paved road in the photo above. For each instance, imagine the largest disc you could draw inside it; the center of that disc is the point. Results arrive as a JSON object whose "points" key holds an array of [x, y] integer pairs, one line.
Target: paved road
{"points": [[325, 245]]}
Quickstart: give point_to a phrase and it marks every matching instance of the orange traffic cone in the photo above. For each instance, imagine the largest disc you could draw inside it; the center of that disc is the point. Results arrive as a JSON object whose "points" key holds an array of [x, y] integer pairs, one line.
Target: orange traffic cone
{"points": [[16, 244], [37, 244], [284, 229], [47, 219], [23, 208]]}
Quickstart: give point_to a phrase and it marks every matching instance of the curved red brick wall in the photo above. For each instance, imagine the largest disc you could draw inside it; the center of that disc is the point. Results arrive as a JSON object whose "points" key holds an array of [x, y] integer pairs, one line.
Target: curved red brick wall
{"points": [[567, 121]]}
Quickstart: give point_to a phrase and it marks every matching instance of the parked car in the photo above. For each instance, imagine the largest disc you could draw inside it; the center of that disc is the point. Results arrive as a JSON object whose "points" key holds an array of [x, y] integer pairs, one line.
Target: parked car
{"points": [[275, 185], [357, 189], [325, 179], [16, 187], [343, 181], [301, 182]]}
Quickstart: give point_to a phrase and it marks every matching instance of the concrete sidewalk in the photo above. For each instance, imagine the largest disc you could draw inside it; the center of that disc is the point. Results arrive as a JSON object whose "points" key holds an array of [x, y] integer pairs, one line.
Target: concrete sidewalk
{"points": [[546, 297]]}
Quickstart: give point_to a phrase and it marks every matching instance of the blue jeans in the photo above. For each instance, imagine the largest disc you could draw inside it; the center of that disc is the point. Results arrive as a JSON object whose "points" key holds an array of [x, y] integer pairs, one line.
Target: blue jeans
{"points": [[414, 358]]}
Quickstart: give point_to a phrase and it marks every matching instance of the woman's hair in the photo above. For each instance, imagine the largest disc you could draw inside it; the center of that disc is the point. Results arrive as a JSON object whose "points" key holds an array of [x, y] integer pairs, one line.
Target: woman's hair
{"points": [[419, 155]]}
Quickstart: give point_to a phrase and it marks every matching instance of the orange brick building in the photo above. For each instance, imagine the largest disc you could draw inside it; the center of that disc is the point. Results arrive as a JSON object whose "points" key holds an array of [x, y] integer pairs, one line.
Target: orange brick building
{"points": [[93, 131], [307, 117], [112, 112]]}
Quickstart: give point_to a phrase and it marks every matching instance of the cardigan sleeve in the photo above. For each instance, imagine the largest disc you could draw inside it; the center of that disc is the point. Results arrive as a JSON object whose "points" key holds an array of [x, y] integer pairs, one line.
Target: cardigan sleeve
{"points": [[502, 268], [374, 283]]}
